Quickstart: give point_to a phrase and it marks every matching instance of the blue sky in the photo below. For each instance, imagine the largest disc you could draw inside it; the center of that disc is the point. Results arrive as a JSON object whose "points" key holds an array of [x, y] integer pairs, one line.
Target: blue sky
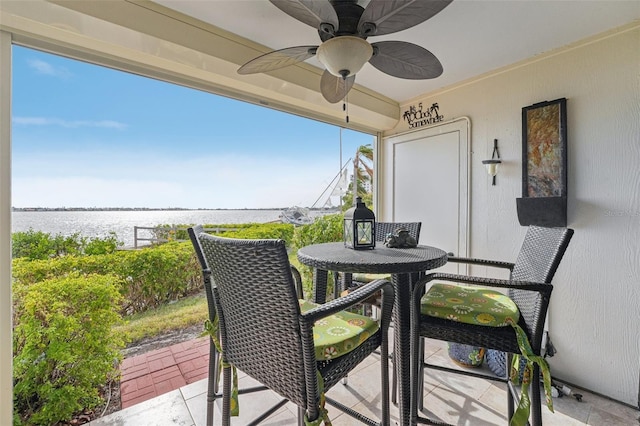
{"points": [[89, 136]]}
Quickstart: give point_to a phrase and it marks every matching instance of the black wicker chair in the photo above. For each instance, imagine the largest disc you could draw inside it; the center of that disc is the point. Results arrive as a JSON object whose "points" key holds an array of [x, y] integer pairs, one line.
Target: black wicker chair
{"points": [[212, 383], [529, 287], [214, 356], [385, 228], [347, 282], [264, 334]]}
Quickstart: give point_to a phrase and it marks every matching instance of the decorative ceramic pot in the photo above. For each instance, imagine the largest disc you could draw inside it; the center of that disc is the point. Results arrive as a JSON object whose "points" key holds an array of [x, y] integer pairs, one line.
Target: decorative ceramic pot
{"points": [[497, 361], [466, 355]]}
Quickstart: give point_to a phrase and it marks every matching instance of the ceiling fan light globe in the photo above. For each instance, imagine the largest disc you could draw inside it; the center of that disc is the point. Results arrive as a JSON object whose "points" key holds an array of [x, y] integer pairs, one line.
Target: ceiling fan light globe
{"points": [[344, 56]]}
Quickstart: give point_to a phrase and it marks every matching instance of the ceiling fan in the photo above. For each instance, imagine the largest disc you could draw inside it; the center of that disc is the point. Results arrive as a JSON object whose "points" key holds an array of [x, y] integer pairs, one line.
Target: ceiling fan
{"points": [[344, 26]]}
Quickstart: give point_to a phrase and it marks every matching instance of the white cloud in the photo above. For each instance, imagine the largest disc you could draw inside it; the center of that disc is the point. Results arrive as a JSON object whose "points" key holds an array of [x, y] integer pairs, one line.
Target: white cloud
{"points": [[42, 67], [46, 121]]}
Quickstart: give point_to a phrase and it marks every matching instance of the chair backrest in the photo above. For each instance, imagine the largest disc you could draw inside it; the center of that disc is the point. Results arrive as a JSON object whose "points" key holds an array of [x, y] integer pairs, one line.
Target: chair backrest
{"points": [[385, 228], [206, 272], [258, 311], [537, 261]]}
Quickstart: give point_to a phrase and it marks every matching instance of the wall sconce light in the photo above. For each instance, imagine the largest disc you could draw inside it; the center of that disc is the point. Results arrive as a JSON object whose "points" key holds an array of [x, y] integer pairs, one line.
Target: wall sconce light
{"points": [[492, 165]]}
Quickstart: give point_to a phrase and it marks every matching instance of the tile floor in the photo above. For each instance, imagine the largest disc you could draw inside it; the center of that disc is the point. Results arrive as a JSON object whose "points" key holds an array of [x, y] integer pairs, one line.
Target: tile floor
{"points": [[454, 399]]}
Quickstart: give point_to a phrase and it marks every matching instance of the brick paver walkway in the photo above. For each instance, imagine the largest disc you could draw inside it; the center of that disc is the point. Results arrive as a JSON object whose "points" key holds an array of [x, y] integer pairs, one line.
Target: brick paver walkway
{"points": [[151, 374]]}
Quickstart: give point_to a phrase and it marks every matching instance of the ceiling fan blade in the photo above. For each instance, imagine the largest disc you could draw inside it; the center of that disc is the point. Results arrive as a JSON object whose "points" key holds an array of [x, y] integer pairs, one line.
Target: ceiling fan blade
{"points": [[311, 12], [405, 60], [278, 59], [390, 16], [333, 88]]}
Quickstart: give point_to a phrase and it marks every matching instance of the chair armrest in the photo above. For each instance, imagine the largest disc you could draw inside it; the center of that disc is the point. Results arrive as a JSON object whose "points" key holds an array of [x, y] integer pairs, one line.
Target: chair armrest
{"points": [[353, 298], [544, 289], [484, 262]]}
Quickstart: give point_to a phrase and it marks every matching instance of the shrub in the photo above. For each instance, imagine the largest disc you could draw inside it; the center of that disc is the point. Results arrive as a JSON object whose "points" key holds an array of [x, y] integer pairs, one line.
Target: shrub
{"points": [[157, 275], [178, 232], [282, 231], [324, 229], [38, 245], [63, 346], [242, 230], [31, 244], [147, 278], [67, 245], [106, 245]]}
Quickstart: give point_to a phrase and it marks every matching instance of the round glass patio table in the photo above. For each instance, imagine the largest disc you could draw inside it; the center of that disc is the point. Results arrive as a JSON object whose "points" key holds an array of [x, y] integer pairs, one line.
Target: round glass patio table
{"points": [[403, 265]]}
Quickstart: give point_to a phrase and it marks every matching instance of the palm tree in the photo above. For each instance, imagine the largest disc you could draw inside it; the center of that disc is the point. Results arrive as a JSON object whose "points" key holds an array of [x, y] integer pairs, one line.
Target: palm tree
{"points": [[362, 178]]}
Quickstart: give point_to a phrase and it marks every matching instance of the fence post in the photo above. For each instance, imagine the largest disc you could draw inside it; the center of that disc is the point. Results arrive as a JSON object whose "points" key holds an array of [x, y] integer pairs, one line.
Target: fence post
{"points": [[135, 237]]}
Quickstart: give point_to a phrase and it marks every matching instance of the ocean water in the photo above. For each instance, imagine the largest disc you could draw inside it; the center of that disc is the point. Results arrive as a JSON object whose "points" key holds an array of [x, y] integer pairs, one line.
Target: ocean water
{"points": [[100, 223]]}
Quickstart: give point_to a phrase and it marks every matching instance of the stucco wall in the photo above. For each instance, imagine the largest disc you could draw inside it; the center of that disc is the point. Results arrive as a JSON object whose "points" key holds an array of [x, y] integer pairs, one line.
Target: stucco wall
{"points": [[594, 317]]}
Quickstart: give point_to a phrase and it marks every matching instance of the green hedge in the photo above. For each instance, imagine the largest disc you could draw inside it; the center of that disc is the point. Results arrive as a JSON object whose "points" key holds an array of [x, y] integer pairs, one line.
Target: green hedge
{"points": [[147, 278], [63, 346], [324, 229], [41, 245], [241, 230], [273, 231]]}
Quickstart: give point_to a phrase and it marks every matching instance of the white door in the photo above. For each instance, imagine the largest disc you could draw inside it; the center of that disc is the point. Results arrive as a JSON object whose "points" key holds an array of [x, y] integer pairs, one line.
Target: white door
{"points": [[427, 172]]}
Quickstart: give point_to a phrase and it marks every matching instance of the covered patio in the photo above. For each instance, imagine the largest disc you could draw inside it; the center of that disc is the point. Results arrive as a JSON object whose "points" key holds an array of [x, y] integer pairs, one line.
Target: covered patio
{"points": [[498, 58], [454, 400]]}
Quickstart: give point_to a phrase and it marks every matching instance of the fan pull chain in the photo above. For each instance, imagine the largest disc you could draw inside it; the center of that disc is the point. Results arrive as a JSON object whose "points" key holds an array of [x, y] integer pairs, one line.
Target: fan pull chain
{"points": [[345, 108], [345, 101]]}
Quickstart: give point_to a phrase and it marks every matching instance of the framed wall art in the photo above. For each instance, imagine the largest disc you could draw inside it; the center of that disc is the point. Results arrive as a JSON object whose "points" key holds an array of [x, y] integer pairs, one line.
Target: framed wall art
{"points": [[544, 164]]}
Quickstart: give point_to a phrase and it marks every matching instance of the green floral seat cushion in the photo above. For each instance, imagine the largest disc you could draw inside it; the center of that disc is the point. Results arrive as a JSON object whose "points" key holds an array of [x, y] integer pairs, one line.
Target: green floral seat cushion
{"points": [[481, 306], [470, 305], [340, 333]]}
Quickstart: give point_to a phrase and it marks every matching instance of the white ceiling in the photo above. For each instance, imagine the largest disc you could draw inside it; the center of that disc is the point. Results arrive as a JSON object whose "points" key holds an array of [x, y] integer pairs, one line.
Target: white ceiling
{"points": [[470, 37]]}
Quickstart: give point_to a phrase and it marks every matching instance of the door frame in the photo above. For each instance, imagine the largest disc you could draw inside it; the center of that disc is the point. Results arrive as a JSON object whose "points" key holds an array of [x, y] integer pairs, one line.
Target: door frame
{"points": [[385, 205]]}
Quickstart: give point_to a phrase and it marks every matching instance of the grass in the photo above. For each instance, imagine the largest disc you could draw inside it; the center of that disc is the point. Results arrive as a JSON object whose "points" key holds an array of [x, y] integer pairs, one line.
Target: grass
{"points": [[181, 314]]}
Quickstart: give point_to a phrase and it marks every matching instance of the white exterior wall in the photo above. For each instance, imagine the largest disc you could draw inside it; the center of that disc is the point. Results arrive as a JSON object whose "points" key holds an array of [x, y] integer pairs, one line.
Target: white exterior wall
{"points": [[594, 317]]}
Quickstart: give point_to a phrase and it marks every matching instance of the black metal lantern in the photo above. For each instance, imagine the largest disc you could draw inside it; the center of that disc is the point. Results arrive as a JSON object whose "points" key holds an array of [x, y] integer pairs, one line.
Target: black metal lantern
{"points": [[359, 227]]}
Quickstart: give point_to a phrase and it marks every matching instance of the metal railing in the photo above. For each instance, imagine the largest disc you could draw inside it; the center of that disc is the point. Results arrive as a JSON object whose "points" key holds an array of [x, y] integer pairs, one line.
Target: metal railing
{"points": [[171, 230]]}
